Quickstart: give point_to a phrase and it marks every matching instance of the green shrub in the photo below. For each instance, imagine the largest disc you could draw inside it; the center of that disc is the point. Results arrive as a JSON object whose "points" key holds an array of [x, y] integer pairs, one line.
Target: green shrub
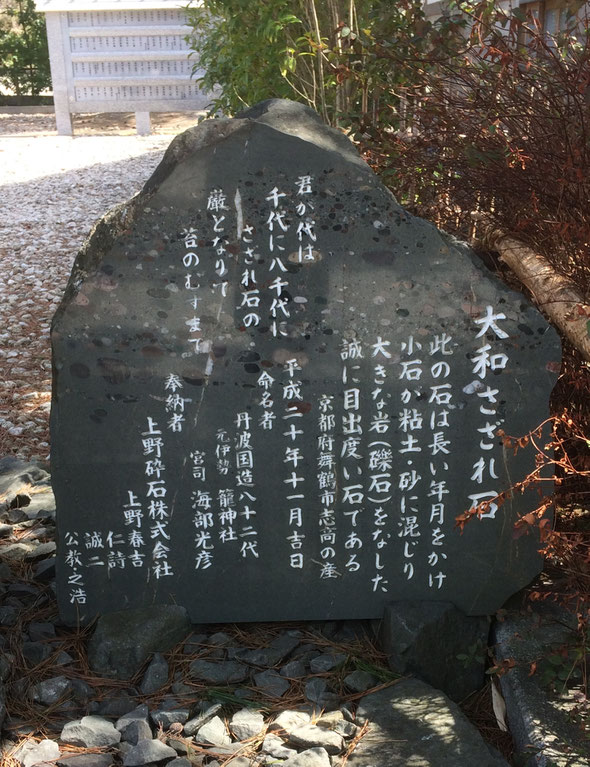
{"points": [[297, 49], [245, 48]]}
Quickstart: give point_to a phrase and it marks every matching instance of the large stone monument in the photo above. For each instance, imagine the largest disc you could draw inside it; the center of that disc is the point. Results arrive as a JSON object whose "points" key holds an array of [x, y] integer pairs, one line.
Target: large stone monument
{"points": [[274, 391]]}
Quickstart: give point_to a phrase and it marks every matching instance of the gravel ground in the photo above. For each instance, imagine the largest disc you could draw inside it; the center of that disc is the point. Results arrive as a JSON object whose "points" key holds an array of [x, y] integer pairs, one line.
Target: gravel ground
{"points": [[52, 191]]}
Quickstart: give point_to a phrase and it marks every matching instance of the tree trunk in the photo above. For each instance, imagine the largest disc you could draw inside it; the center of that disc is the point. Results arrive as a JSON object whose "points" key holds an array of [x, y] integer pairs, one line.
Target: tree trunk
{"points": [[557, 297]]}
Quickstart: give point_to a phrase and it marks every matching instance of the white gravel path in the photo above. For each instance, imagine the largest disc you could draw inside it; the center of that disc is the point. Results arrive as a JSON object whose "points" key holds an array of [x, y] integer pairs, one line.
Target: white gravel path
{"points": [[52, 191]]}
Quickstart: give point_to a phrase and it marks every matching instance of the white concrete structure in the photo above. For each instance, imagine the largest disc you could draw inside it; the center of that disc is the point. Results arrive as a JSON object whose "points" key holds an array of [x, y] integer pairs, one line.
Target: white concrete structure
{"points": [[119, 56], [551, 14]]}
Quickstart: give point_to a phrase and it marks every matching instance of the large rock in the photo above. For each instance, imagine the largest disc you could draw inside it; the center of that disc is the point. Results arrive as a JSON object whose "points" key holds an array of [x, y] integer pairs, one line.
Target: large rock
{"points": [[167, 717], [51, 690], [275, 746], [123, 640], [539, 717], [85, 760], [140, 713], [213, 732], [412, 723], [35, 652], [317, 691], [438, 643], [288, 721], [146, 752], [38, 631], [90, 732], [277, 649], [360, 681], [271, 683], [246, 723], [136, 731], [312, 736], [194, 724], [326, 662], [311, 757], [224, 672], [263, 364], [32, 753], [18, 476], [156, 675]]}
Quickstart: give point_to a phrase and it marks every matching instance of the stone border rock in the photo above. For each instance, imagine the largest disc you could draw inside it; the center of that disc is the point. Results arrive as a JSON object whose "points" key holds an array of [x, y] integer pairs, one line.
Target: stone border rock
{"points": [[538, 719]]}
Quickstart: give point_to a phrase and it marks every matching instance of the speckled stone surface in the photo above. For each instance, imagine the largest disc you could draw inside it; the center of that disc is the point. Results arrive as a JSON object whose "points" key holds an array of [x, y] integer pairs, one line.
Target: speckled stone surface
{"points": [[274, 391], [411, 723]]}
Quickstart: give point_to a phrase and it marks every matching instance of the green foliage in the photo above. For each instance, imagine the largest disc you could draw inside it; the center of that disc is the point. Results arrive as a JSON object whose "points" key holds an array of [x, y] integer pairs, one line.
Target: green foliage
{"points": [[246, 49], [381, 673], [480, 110], [563, 667], [24, 57], [331, 55], [226, 697], [475, 653]]}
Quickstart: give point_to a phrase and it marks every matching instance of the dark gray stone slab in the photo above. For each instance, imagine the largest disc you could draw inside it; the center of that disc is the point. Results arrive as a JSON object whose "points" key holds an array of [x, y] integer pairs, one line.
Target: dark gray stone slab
{"points": [[165, 718], [262, 364], [317, 691], [8, 615], [6, 664], [45, 570], [82, 692], [115, 706]]}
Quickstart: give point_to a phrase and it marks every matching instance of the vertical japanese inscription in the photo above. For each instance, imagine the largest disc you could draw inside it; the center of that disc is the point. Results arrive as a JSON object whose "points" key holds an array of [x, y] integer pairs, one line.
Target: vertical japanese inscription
{"points": [[313, 422]]}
